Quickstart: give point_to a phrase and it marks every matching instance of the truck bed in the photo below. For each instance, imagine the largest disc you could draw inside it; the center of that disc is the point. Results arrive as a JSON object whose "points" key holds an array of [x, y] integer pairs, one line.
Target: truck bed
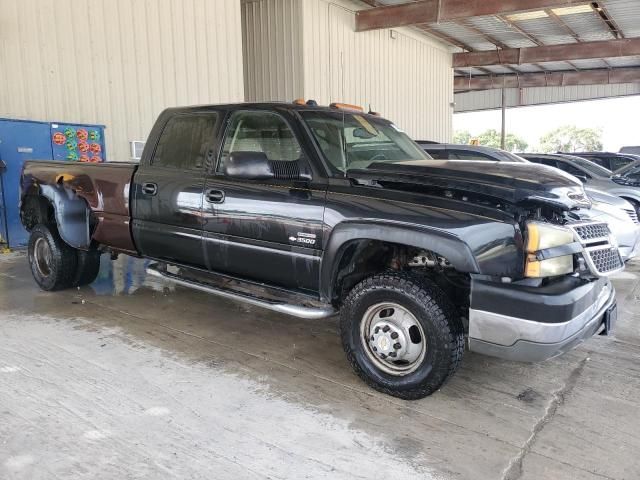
{"points": [[105, 188]]}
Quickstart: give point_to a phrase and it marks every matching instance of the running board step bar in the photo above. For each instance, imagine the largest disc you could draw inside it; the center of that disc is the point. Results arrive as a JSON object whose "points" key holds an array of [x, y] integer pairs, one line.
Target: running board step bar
{"points": [[310, 313]]}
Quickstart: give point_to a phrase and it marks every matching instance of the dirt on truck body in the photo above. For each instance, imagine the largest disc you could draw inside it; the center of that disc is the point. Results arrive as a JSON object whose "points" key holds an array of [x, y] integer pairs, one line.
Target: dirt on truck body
{"points": [[100, 190]]}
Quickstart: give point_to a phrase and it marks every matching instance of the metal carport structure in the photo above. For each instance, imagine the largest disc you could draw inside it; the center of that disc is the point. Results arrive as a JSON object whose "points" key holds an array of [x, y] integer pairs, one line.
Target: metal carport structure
{"points": [[537, 51]]}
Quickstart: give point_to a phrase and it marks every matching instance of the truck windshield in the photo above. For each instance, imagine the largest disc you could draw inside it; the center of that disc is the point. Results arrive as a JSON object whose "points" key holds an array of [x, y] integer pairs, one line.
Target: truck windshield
{"points": [[351, 141]]}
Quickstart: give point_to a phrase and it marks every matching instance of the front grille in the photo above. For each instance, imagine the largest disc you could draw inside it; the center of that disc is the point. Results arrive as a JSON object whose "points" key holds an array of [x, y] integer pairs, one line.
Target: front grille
{"points": [[606, 260], [634, 215], [592, 231], [600, 254]]}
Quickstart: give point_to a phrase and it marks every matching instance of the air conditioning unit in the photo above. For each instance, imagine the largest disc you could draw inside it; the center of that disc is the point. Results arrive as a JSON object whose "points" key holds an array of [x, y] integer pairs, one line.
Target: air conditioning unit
{"points": [[136, 149]]}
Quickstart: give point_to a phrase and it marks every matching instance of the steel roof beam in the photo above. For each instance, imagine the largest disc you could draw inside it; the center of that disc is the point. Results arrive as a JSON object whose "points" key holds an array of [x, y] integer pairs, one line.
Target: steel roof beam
{"points": [[551, 79], [627, 47], [436, 11]]}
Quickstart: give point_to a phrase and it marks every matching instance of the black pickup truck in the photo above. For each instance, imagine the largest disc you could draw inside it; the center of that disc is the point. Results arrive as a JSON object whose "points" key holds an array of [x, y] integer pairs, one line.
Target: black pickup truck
{"points": [[313, 211]]}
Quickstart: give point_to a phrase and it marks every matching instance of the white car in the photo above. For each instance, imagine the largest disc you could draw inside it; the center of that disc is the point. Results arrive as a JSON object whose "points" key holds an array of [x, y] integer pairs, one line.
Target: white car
{"points": [[621, 217]]}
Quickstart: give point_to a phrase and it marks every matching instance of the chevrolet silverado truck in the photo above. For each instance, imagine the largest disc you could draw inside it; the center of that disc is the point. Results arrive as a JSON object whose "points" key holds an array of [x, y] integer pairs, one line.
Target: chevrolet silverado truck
{"points": [[315, 211]]}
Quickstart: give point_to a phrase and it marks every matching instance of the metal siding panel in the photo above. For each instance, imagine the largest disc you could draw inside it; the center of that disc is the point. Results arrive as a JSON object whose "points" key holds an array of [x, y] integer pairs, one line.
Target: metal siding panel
{"points": [[272, 39], [118, 63], [491, 99], [408, 79]]}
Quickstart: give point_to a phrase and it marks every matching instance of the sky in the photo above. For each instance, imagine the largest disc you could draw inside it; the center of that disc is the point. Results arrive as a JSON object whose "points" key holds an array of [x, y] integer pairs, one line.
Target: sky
{"points": [[618, 118]]}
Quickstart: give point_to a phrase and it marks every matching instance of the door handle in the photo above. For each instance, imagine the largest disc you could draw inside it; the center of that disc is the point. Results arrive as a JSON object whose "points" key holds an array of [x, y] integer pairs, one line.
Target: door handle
{"points": [[214, 196], [150, 188]]}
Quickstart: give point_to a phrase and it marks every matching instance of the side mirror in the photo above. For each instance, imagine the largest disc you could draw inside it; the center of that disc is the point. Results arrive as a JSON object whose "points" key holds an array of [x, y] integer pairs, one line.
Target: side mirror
{"points": [[249, 165]]}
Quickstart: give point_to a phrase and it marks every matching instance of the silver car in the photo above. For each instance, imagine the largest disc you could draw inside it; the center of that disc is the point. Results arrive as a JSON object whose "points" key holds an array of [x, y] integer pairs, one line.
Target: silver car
{"points": [[592, 175], [451, 151], [621, 217]]}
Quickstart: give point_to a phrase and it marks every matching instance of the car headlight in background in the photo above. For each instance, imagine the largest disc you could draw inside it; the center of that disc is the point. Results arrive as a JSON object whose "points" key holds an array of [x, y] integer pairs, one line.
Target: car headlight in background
{"points": [[542, 236]]}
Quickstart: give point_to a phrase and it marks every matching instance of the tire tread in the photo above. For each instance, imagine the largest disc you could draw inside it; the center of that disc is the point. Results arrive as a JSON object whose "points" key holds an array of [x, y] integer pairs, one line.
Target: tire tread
{"points": [[64, 257], [443, 314]]}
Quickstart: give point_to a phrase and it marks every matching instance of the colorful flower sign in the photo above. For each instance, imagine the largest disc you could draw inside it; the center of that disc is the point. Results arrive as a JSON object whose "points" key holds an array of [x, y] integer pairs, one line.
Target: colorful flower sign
{"points": [[77, 143]]}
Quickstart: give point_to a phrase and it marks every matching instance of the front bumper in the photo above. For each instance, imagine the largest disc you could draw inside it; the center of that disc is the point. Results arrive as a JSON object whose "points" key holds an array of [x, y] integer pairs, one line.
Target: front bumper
{"points": [[531, 324]]}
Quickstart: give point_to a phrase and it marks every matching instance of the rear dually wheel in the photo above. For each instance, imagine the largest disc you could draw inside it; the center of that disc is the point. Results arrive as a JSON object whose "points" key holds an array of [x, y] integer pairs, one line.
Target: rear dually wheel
{"points": [[53, 263]]}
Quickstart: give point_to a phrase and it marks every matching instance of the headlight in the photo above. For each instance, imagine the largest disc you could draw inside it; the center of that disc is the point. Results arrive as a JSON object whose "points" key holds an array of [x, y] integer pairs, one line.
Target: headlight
{"points": [[542, 236]]}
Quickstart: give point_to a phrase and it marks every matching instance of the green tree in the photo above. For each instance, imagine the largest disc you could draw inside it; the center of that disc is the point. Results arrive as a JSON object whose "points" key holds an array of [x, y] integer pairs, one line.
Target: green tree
{"points": [[570, 138], [513, 143], [491, 138], [462, 137]]}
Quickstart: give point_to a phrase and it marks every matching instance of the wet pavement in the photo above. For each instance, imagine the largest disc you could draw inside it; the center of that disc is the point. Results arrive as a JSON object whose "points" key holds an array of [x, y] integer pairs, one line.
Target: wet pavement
{"points": [[131, 377]]}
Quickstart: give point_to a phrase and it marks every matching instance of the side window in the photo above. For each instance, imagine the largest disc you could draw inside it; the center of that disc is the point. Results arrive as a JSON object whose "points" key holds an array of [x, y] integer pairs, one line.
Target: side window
{"points": [[602, 161], [576, 172], [465, 155], [618, 162], [187, 142], [264, 132], [544, 161], [438, 154]]}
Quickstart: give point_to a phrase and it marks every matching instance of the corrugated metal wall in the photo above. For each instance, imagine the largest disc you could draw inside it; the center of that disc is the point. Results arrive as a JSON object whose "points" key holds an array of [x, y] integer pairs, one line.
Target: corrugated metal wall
{"points": [[407, 78], [492, 99], [310, 49], [272, 48], [117, 62]]}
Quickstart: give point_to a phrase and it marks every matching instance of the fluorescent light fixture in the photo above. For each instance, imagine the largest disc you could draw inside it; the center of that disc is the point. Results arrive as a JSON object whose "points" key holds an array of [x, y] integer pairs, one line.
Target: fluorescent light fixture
{"points": [[517, 17], [586, 8]]}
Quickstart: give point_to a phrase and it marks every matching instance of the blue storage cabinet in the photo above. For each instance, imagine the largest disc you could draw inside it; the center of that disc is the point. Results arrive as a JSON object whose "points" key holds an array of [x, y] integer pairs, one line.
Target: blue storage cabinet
{"points": [[22, 140]]}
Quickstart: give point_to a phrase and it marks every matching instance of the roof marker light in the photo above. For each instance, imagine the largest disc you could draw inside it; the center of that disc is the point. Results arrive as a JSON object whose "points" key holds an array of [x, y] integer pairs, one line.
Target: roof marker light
{"points": [[346, 106]]}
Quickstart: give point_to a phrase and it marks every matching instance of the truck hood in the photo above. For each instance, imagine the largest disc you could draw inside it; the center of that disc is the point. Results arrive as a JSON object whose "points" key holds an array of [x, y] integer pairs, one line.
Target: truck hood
{"points": [[516, 183]]}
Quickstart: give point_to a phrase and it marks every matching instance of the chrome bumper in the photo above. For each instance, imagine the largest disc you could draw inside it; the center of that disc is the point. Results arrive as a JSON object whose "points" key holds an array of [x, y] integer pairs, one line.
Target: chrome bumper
{"points": [[523, 340]]}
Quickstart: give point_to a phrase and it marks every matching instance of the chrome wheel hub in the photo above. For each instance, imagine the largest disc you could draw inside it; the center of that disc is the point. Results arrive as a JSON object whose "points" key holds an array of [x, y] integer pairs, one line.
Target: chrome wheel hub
{"points": [[393, 338], [42, 257]]}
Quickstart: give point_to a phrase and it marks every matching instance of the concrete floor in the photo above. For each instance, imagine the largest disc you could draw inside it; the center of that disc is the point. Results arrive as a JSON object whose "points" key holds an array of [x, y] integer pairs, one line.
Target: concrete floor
{"points": [[132, 378]]}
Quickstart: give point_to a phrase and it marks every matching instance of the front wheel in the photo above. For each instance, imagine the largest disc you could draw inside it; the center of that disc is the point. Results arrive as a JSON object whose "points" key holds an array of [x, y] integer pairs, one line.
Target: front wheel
{"points": [[401, 334], [53, 263]]}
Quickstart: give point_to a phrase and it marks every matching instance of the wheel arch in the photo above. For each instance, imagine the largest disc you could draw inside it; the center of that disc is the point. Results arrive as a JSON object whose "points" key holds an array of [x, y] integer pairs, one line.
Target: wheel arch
{"points": [[631, 198], [62, 206], [347, 241]]}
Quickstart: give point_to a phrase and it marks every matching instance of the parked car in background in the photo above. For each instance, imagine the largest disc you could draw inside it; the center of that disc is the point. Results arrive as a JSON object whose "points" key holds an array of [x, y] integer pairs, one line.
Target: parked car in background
{"points": [[621, 217], [634, 150], [450, 151], [617, 212], [608, 160], [591, 174], [629, 171]]}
